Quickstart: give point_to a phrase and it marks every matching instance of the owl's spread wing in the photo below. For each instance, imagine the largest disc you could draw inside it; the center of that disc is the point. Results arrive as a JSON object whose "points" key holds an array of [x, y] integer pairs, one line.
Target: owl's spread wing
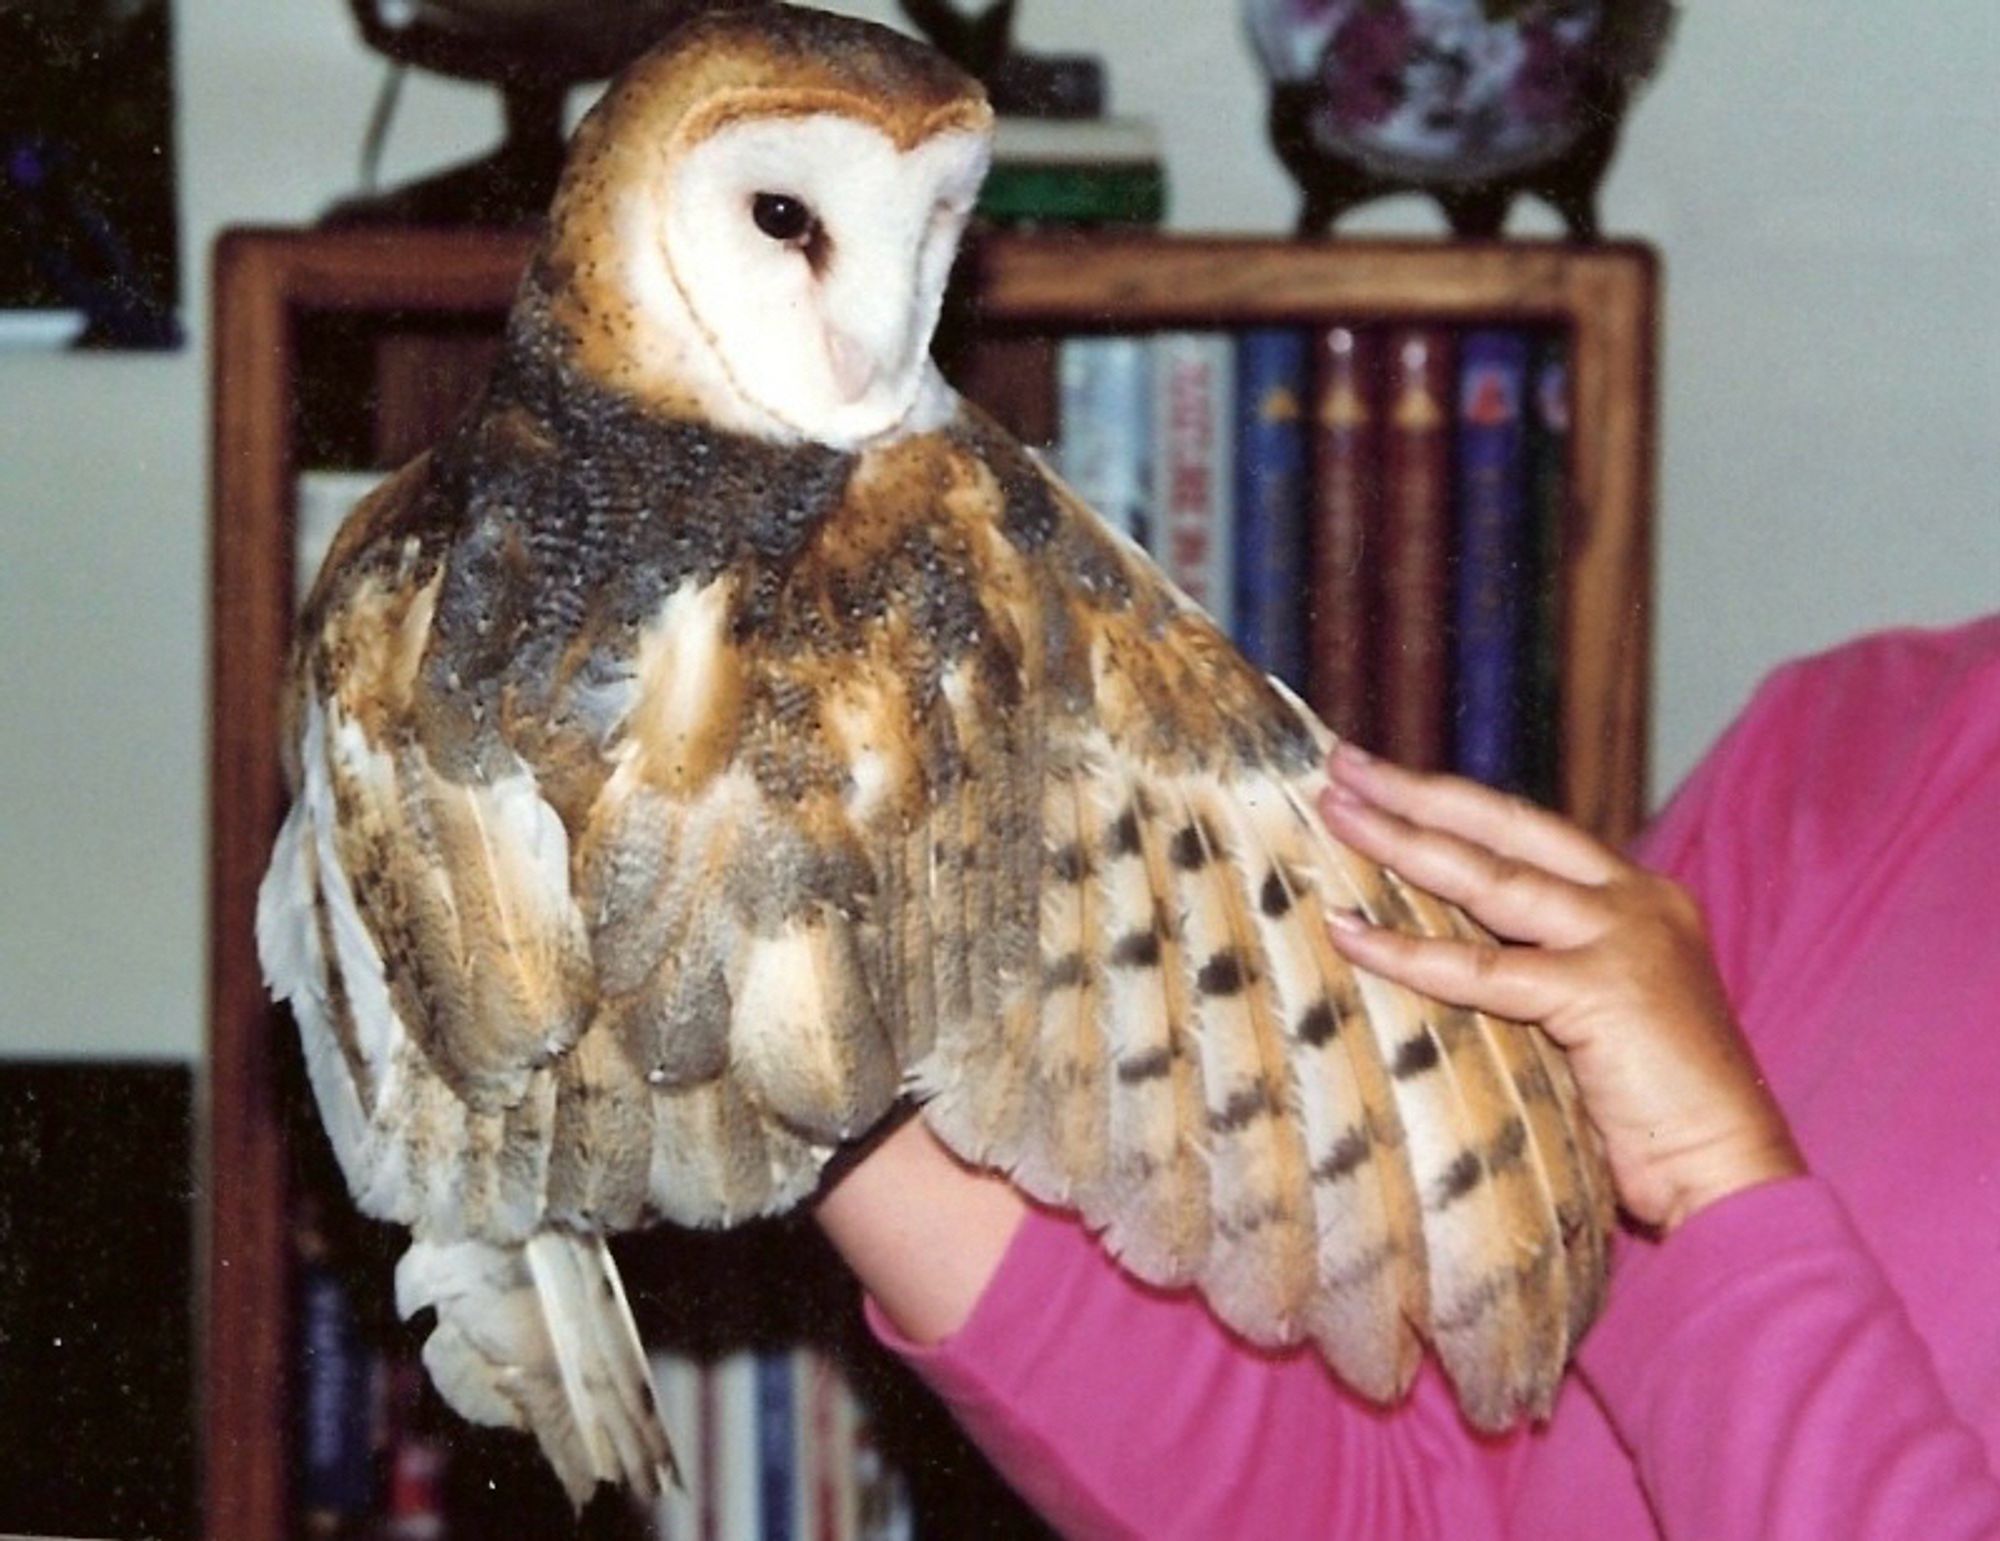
{"points": [[951, 793], [969, 800]]}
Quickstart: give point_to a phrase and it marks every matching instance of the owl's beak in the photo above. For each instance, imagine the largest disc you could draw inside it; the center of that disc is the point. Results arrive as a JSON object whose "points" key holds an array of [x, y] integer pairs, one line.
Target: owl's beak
{"points": [[854, 364]]}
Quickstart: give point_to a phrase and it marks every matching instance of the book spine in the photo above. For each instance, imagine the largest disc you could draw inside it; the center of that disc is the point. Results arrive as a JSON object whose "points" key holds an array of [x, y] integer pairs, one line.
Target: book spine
{"points": [[838, 1413], [1270, 480], [1105, 390], [1345, 530], [1549, 504], [336, 1403], [734, 1511], [1194, 377], [777, 1445], [1491, 536], [1411, 653], [677, 1511], [1074, 195], [415, 1506]]}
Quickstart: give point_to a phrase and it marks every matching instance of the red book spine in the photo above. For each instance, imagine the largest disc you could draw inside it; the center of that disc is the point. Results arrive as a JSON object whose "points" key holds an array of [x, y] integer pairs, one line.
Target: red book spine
{"points": [[1346, 532], [1412, 657]]}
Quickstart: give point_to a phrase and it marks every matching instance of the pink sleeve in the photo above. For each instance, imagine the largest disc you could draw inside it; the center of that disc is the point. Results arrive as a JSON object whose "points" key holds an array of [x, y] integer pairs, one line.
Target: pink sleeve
{"points": [[1760, 1366], [1759, 1369], [1118, 1410], [1769, 1384]]}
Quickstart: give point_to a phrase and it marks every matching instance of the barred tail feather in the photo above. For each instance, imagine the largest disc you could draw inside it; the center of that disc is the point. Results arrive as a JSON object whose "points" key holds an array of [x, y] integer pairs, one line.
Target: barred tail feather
{"points": [[540, 1337]]}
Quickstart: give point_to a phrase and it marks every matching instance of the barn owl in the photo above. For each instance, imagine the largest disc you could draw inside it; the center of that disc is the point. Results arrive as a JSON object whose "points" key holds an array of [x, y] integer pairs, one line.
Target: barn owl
{"points": [[726, 731]]}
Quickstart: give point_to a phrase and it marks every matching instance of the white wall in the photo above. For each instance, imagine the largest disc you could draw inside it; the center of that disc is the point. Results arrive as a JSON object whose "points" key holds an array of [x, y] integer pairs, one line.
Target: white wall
{"points": [[1824, 179]]}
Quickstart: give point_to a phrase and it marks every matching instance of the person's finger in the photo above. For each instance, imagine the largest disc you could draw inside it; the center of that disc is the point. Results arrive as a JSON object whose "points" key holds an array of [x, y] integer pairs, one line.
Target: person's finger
{"points": [[1503, 893], [1509, 825], [1524, 983]]}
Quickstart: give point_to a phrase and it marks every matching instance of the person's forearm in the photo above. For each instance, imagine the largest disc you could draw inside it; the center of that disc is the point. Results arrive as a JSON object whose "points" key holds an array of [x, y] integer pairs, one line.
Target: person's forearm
{"points": [[1768, 1382], [922, 1231]]}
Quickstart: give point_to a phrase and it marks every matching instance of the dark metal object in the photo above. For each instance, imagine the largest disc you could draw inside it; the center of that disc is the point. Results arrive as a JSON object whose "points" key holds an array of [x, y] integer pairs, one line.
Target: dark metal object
{"points": [[534, 51], [1021, 84]]}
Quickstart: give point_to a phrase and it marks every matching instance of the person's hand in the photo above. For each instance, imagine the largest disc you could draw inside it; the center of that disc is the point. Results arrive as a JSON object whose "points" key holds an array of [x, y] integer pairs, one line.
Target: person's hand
{"points": [[1611, 959]]}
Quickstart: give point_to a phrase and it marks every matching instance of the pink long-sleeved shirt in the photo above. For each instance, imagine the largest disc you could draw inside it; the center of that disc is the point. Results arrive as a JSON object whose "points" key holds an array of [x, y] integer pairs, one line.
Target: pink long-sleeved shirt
{"points": [[1818, 1357]]}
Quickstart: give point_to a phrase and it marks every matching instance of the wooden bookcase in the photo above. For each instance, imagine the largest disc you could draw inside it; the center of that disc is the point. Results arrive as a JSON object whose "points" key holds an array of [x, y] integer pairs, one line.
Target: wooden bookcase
{"points": [[420, 308]]}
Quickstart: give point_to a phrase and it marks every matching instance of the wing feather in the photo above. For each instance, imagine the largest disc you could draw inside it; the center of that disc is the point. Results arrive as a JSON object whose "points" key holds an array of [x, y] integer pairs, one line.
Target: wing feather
{"points": [[1369, 1240], [1067, 1155], [1205, 1079], [961, 798], [1259, 1272]]}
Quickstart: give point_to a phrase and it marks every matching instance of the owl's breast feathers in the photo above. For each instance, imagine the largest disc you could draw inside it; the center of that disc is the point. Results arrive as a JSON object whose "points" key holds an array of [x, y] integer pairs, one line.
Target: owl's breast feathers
{"points": [[675, 799]]}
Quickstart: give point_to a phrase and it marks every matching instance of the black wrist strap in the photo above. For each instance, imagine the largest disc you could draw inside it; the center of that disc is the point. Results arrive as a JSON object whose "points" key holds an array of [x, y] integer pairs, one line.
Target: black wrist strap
{"points": [[851, 1153]]}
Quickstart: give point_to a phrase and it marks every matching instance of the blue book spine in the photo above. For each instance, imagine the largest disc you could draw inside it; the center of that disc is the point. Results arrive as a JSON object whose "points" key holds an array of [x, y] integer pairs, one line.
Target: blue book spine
{"points": [[1271, 461], [777, 1444], [337, 1476], [1491, 525]]}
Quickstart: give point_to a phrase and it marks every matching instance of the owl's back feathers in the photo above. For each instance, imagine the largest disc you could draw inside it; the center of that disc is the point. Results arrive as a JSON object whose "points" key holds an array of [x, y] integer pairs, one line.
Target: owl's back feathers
{"points": [[662, 819]]}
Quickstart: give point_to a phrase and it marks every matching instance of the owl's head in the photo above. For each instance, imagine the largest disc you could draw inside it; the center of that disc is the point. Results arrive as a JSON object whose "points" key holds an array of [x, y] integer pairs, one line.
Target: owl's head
{"points": [[756, 223]]}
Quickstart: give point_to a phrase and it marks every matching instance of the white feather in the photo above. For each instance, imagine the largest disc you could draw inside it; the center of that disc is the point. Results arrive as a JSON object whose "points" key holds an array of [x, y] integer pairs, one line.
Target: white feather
{"points": [[541, 1337], [305, 870]]}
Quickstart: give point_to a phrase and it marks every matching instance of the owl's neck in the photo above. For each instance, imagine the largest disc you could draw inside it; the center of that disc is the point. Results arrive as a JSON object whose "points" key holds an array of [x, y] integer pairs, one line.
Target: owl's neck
{"points": [[582, 359]]}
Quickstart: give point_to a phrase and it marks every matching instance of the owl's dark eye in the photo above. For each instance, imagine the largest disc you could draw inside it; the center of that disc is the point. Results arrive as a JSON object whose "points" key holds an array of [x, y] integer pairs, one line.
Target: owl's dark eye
{"points": [[781, 216]]}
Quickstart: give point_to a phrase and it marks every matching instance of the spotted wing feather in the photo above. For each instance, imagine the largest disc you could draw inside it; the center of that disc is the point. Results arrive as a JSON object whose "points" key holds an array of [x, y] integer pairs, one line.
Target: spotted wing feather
{"points": [[1185, 1060]]}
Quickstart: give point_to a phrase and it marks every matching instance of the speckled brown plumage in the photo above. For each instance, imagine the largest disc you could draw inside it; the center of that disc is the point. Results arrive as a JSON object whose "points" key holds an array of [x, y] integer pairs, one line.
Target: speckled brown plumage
{"points": [[672, 799]]}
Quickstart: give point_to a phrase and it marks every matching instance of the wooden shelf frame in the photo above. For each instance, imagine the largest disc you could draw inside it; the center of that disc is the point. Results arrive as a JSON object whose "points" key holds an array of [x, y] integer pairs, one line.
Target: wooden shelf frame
{"points": [[268, 281]]}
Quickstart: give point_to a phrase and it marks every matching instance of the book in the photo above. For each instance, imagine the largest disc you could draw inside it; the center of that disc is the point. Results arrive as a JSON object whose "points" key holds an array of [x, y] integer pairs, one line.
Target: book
{"points": [[779, 1480], [1074, 195], [1104, 389], [1022, 140], [677, 1510], [336, 1397], [1270, 500], [772, 1443], [1491, 538], [1345, 530], [1075, 171], [1549, 507], [414, 1509], [1411, 658], [827, 1418], [731, 1448], [1194, 377]]}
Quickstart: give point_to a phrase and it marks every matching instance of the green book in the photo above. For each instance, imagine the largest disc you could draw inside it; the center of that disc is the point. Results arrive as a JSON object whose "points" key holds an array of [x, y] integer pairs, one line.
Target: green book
{"points": [[1066, 194]]}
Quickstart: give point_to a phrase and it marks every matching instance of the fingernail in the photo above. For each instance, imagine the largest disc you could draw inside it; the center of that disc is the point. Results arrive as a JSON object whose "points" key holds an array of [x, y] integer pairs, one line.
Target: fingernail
{"points": [[1353, 753], [1348, 921]]}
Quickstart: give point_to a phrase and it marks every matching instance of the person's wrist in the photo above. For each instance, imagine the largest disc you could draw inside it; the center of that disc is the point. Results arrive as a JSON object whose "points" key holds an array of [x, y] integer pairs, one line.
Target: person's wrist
{"points": [[1747, 1162], [851, 1153], [923, 1232]]}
